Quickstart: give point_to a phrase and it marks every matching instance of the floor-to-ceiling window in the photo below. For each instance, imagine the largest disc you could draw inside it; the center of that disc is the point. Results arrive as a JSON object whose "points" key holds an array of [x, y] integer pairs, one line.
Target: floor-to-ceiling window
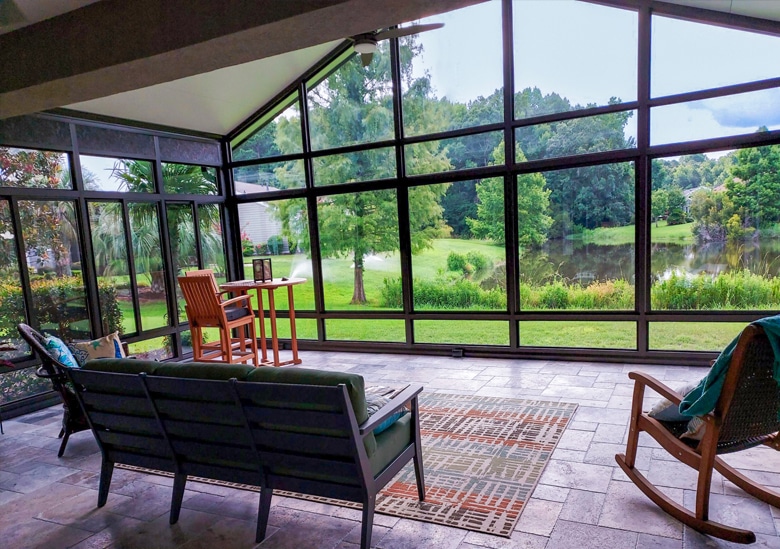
{"points": [[564, 178]]}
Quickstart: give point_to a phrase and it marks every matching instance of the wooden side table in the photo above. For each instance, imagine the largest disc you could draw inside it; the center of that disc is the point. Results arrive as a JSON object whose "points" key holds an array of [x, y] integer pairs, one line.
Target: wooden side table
{"points": [[243, 286]]}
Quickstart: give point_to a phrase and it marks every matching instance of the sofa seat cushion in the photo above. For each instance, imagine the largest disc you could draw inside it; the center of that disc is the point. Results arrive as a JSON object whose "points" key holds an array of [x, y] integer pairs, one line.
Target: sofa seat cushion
{"points": [[390, 443], [122, 365], [304, 376]]}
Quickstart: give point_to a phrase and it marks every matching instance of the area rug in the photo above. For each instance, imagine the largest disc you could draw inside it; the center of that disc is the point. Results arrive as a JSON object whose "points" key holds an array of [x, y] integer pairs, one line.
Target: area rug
{"points": [[482, 457]]}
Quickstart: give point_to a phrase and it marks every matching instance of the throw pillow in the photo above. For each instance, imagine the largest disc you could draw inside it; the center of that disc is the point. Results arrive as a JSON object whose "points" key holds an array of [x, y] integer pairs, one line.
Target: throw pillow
{"points": [[666, 410], [695, 430], [374, 403], [57, 349], [109, 346]]}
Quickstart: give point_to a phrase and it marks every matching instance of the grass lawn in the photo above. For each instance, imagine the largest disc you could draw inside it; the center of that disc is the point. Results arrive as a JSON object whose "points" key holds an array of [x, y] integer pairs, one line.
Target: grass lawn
{"points": [[662, 234], [338, 275]]}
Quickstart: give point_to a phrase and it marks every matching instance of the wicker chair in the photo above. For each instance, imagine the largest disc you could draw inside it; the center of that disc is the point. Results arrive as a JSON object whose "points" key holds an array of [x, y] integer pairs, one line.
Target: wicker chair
{"points": [[745, 415], [73, 419]]}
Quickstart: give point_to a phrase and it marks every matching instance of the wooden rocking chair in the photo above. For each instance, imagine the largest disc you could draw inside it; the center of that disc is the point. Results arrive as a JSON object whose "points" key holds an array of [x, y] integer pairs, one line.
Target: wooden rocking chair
{"points": [[746, 415], [205, 309]]}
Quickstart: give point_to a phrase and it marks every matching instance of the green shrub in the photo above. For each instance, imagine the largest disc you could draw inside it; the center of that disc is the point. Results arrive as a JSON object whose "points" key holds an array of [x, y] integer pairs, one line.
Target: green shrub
{"points": [[275, 244], [49, 296], [444, 293], [456, 262], [676, 217], [732, 290], [555, 296], [478, 261]]}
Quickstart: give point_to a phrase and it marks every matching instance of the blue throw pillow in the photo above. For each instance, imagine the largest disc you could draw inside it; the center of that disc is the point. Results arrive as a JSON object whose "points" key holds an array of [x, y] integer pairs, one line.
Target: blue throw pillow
{"points": [[57, 348], [374, 403]]}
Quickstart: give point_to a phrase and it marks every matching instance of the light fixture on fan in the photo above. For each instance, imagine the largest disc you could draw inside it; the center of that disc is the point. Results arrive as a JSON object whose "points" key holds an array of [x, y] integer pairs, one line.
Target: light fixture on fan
{"points": [[365, 44]]}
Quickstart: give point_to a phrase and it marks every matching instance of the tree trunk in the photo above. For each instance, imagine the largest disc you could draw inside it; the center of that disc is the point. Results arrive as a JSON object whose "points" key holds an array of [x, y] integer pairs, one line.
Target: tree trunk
{"points": [[359, 292]]}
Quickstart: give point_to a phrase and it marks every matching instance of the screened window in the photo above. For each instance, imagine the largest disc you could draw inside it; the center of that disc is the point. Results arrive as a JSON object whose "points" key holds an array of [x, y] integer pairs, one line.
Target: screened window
{"points": [[117, 175], [34, 169]]}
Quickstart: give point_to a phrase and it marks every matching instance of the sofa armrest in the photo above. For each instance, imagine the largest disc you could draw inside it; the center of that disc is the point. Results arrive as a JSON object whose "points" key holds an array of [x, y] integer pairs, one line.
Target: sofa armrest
{"points": [[396, 403]]}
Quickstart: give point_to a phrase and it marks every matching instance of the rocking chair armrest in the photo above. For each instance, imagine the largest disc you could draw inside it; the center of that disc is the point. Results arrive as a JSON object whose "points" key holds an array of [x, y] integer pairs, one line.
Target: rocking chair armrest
{"points": [[396, 403], [42, 373], [238, 299], [657, 386]]}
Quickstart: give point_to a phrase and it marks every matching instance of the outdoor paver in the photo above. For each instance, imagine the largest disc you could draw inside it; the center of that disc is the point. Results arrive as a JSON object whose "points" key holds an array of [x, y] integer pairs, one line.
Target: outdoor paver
{"points": [[551, 493], [610, 433], [582, 506], [581, 476], [627, 508], [539, 517], [743, 512], [598, 415], [575, 440], [411, 533], [575, 535], [646, 541], [519, 540]]}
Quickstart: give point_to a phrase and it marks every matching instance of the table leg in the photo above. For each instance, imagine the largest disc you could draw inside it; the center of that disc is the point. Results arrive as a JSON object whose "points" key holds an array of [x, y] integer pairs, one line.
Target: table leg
{"points": [[274, 335], [293, 336], [261, 317]]}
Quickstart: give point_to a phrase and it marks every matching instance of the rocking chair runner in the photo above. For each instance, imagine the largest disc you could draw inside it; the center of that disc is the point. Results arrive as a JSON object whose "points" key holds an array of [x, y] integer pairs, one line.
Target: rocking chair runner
{"points": [[205, 309], [746, 415], [73, 419]]}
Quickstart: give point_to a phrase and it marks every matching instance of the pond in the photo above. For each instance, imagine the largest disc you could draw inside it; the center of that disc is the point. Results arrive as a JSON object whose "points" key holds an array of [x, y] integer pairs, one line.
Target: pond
{"points": [[585, 263]]}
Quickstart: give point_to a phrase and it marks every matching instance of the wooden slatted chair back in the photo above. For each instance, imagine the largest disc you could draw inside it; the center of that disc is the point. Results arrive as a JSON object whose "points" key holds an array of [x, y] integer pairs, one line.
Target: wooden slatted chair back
{"points": [[208, 273], [202, 302]]}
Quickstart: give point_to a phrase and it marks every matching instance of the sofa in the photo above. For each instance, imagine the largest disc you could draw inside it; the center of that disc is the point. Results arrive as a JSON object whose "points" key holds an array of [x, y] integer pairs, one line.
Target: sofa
{"points": [[295, 429]]}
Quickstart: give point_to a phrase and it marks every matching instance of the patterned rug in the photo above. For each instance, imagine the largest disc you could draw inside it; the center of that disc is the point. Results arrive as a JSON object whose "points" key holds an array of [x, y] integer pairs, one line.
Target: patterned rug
{"points": [[482, 456]]}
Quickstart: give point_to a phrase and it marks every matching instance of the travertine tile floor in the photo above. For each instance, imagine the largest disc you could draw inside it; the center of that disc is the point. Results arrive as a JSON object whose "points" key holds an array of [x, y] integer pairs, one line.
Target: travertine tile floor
{"points": [[583, 499]]}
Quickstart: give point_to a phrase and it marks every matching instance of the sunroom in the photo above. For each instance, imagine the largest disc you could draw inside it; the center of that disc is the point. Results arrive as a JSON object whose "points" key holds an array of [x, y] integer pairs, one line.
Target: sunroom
{"points": [[565, 183]]}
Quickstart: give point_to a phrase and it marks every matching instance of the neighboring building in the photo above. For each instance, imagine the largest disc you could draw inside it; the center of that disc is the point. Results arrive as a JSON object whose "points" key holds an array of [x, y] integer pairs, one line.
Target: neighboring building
{"points": [[257, 222]]}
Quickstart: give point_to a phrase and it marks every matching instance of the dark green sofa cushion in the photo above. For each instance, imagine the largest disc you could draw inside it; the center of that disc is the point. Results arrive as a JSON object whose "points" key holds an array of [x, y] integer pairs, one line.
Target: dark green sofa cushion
{"points": [[391, 442], [197, 370], [305, 376]]}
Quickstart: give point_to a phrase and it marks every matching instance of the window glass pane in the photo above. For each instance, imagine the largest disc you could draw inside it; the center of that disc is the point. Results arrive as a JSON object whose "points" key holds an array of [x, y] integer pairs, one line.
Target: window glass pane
{"points": [[738, 114], [353, 167], [585, 260], [606, 132], [359, 247], [688, 56], [457, 153], [362, 329], [279, 133], [113, 174], [693, 336], [38, 169], [106, 223], [158, 348], [714, 235], [463, 332], [181, 235], [305, 328], [212, 246], [279, 230], [436, 96], [354, 104], [149, 268], [19, 384], [12, 310], [273, 176], [188, 179], [53, 258], [560, 53], [456, 271], [587, 334]]}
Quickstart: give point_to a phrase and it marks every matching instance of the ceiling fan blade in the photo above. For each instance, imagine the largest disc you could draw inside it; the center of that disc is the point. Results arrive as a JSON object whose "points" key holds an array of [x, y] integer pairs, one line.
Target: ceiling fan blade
{"points": [[406, 31], [366, 58], [10, 14]]}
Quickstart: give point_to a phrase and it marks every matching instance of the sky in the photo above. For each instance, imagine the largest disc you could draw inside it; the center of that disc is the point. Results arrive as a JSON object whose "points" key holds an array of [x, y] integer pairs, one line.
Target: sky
{"points": [[587, 53]]}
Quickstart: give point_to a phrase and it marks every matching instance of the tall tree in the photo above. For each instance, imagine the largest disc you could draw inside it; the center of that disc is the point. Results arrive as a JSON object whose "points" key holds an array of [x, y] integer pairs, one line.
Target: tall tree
{"points": [[354, 105], [755, 185]]}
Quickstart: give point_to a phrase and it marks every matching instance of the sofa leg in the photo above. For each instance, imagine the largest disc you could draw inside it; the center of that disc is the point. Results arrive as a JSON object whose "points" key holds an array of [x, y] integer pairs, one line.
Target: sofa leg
{"points": [[179, 482], [368, 522], [419, 474], [106, 471], [64, 443], [263, 510]]}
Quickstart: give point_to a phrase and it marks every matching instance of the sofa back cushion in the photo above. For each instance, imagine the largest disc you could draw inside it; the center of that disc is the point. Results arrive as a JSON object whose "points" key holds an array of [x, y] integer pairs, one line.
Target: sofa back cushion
{"points": [[197, 370], [305, 376]]}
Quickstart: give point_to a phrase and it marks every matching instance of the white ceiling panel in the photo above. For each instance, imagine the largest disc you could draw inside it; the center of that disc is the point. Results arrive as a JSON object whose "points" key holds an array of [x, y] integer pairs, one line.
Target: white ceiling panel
{"points": [[214, 102]]}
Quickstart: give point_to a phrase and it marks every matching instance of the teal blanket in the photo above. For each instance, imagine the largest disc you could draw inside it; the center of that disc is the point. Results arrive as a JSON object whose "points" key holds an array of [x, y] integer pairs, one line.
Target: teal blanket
{"points": [[701, 400]]}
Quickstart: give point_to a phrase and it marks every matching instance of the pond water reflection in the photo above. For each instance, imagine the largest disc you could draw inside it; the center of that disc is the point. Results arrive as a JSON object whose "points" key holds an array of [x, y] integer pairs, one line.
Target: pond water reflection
{"points": [[575, 261]]}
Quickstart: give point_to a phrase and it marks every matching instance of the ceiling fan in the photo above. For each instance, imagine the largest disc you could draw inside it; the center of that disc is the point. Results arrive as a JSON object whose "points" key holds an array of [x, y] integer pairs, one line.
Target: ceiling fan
{"points": [[365, 44]]}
